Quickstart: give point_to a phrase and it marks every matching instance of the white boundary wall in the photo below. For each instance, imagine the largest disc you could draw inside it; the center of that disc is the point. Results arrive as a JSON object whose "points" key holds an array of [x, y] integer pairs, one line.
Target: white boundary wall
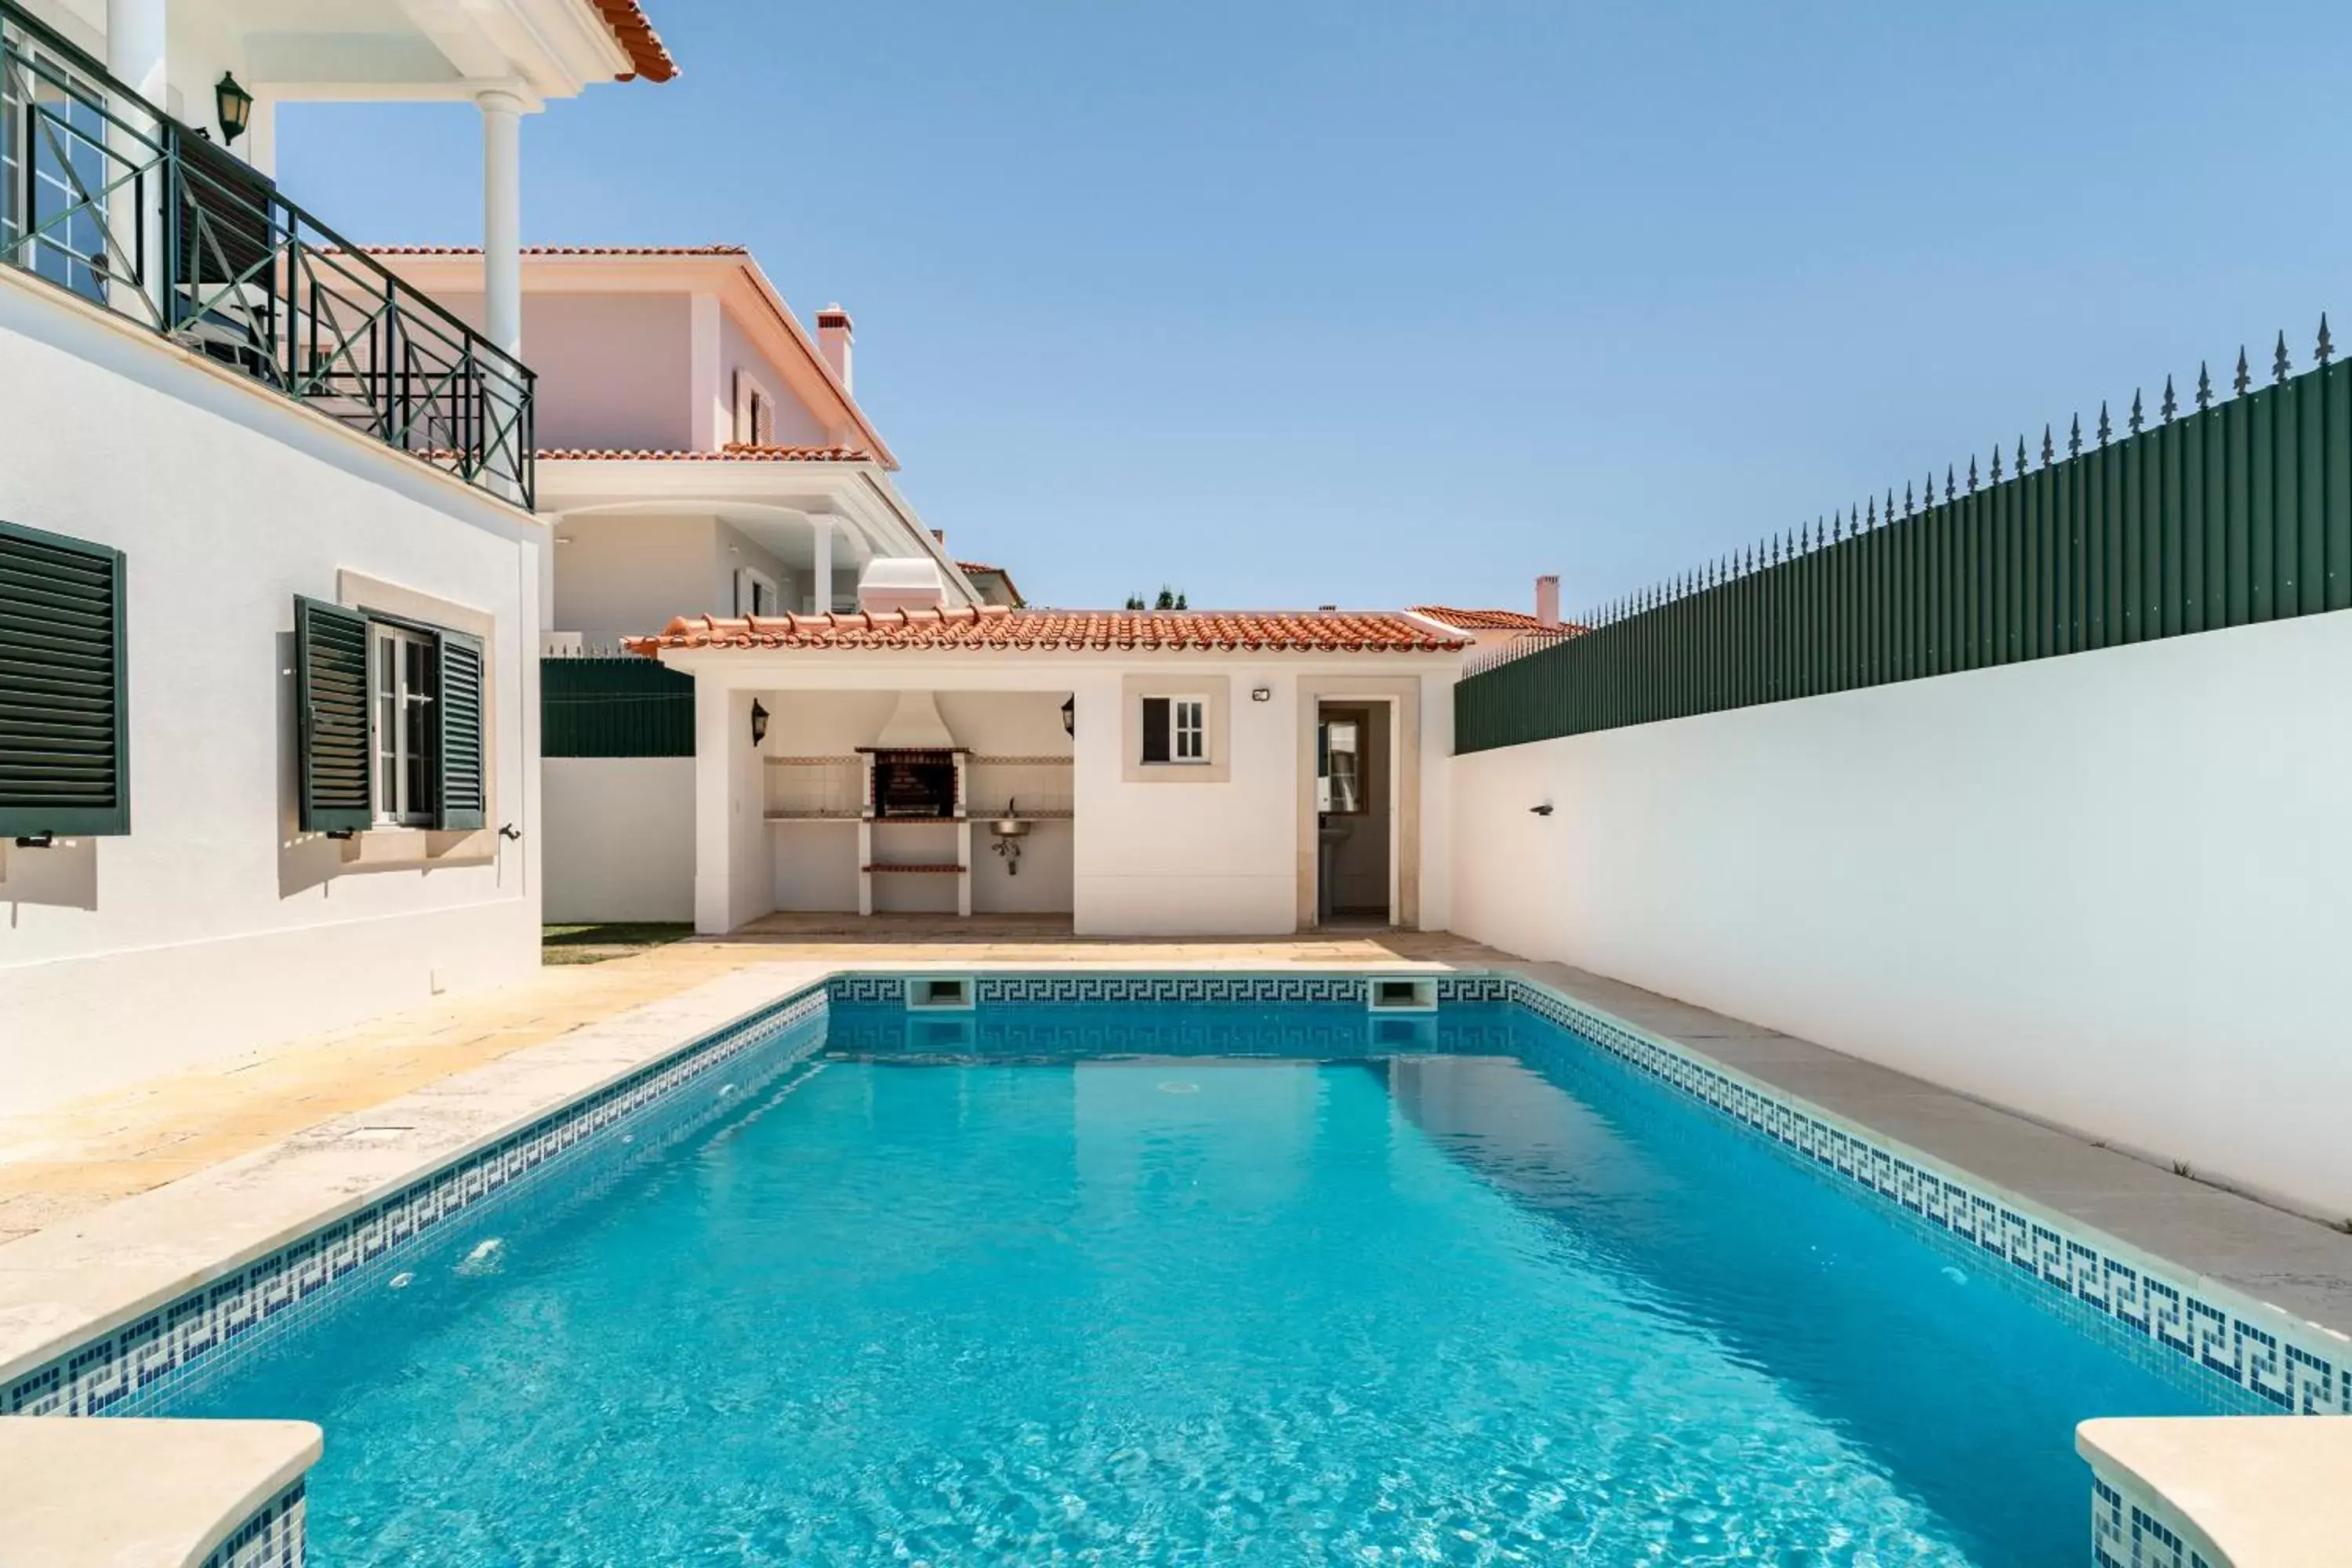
{"points": [[620, 838], [2111, 890]]}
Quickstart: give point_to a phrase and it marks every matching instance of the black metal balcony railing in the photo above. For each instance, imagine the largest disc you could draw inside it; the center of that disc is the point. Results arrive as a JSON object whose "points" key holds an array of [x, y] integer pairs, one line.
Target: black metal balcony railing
{"points": [[106, 196]]}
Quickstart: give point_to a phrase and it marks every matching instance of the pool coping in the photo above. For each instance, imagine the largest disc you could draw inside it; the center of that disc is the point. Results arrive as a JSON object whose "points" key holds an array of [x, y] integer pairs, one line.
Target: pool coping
{"points": [[133, 1262], [2216, 1494], [219, 1494]]}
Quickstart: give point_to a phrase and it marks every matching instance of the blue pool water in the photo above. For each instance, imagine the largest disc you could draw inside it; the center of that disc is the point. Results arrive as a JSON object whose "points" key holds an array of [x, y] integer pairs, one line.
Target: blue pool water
{"points": [[1201, 1285]]}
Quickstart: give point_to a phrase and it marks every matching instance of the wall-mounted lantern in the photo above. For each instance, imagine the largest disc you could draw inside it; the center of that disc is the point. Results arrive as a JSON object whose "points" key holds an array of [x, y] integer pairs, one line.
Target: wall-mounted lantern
{"points": [[1070, 717], [759, 722], [236, 106]]}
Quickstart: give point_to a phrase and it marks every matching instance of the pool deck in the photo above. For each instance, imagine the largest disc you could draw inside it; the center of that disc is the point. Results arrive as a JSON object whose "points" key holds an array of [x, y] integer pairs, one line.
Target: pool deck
{"points": [[60, 1168]]}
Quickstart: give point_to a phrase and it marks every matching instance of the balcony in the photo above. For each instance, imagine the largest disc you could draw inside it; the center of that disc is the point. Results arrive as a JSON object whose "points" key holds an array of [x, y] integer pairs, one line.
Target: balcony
{"points": [[105, 196]]}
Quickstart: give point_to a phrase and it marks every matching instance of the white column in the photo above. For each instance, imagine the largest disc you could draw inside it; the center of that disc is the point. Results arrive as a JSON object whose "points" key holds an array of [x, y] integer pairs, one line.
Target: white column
{"points": [[820, 578], [714, 805], [503, 219], [135, 51], [134, 47]]}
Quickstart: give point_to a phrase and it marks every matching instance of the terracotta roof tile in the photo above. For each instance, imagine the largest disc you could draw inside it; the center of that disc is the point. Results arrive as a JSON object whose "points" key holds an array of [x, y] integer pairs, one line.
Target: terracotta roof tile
{"points": [[1477, 620], [638, 40], [977, 566], [1490, 620], [997, 628], [733, 452], [563, 250]]}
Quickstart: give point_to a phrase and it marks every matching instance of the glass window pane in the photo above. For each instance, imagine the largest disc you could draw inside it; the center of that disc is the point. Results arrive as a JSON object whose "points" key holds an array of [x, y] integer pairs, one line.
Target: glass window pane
{"points": [[416, 748], [387, 725]]}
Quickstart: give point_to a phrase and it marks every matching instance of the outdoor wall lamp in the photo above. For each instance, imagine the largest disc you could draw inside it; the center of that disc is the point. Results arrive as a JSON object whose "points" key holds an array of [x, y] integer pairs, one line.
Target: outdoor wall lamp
{"points": [[1543, 810], [1070, 717], [44, 839], [236, 106], [759, 722]]}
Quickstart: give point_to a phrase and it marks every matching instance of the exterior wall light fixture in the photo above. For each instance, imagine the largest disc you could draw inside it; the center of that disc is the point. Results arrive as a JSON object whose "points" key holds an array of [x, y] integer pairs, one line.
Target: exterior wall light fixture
{"points": [[236, 106], [1543, 810], [759, 722], [1070, 717]]}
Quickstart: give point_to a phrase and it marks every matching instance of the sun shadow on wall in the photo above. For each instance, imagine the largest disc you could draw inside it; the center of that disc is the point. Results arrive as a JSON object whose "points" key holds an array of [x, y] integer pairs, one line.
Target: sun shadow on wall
{"points": [[62, 875]]}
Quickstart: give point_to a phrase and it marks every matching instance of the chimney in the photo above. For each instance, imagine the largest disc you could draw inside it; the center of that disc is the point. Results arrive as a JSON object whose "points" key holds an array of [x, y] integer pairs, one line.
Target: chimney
{"points": [[834, 337], [901, 582], [1547, 603]]}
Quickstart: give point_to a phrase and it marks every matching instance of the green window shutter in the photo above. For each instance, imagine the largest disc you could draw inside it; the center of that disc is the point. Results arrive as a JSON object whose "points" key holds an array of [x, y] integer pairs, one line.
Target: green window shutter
{"points": [[460, 797], [64, 740], [330, 680]]}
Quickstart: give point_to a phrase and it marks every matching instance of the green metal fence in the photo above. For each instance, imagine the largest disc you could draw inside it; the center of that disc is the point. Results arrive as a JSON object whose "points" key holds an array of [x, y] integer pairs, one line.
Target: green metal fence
{"points": [[2237, 510], [625, 707]]}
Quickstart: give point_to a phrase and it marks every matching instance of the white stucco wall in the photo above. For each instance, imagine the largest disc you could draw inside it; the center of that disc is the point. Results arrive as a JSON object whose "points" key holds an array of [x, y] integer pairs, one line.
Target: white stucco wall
{"points": [[214, 926], [620, 838], [795, 424], [614, 370], [1172, 858], [624, 576], [2108, 890], [627, 575]]}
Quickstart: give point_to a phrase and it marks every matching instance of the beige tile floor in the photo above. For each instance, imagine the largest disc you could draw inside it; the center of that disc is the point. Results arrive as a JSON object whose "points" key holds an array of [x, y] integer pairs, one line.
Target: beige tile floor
{"points": [[62, 1163]]}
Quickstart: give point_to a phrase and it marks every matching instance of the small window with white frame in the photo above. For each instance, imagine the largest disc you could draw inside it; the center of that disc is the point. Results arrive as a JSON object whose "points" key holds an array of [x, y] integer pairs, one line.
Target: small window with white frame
{"points": [[1175, 730], [755, 593], [403, 679], [755, 412]]}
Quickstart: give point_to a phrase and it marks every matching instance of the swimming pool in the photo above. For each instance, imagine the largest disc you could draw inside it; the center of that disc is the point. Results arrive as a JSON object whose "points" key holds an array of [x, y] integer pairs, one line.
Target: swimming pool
{"points": [[1211, 1281]]}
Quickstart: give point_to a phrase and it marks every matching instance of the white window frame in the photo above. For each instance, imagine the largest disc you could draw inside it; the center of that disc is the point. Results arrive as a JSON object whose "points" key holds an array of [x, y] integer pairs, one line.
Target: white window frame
{"points": [[393, 750], [755, 411], [1326, 789], [752, 587], [1186, 743]]}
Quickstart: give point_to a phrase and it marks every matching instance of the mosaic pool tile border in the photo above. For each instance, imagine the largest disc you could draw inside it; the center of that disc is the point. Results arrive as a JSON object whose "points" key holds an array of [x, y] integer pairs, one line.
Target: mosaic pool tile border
{"points": [[127, 1368], [272, 1538], [2132, 1529], [1018, 988], [2293, 1365]]}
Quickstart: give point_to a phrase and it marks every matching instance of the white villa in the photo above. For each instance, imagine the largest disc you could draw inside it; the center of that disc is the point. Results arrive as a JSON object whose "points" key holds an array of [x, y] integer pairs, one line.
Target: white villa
{"points": [[1821, 1050], [268, 622]]}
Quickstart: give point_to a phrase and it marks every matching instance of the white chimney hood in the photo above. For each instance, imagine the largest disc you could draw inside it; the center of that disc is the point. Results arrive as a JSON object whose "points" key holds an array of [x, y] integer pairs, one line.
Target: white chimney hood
{"points": [[915, 726]]}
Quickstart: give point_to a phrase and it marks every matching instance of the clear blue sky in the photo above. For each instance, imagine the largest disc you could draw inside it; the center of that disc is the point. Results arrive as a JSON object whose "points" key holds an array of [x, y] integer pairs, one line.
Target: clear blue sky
{"points": [[1301, 301]]}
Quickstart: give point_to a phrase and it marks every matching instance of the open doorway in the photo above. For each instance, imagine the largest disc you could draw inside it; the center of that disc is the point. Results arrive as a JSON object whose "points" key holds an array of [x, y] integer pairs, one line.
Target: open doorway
{"points": [[1354, 815]]}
